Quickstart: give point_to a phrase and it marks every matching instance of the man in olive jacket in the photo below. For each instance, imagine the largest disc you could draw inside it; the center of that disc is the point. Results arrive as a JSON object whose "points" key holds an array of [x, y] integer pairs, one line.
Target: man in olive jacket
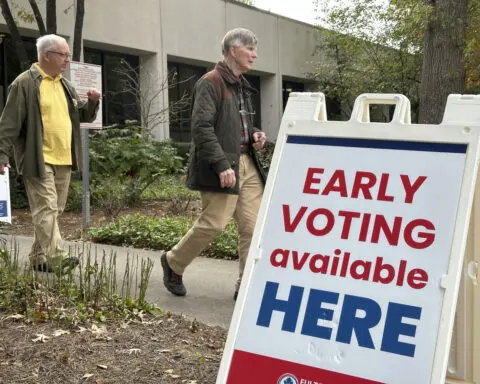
{"points": [[224, 166], [41, 123]]}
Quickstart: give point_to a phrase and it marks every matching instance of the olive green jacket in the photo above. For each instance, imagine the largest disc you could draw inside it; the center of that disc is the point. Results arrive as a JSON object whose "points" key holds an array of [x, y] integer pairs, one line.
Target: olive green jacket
{"points": [[21, 126]]}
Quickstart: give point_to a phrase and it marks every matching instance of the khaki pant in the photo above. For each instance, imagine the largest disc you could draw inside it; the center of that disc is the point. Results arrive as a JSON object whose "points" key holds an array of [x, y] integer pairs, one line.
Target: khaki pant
{"points": [[217, 210], [47, 197]]}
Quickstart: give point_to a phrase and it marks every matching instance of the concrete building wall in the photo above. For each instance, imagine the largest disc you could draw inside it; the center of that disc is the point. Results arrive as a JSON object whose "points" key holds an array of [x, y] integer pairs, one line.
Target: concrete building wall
{"points": [[191, 31]]}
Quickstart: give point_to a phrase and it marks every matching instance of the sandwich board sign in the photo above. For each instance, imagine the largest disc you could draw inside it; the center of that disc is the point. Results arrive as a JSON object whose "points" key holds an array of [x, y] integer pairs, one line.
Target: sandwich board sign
{"points": [[356, 259], [5, 211]]}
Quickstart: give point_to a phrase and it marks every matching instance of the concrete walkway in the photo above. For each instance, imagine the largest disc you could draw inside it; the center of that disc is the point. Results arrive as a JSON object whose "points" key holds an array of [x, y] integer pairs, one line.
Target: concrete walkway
{"points": [[210, 283]]}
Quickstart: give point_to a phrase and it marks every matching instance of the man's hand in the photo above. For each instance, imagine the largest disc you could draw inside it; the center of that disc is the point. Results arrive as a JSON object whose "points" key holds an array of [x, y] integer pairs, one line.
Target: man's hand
{"points": [[93, 95], [227, 178], [2, 168], [259, 139]]}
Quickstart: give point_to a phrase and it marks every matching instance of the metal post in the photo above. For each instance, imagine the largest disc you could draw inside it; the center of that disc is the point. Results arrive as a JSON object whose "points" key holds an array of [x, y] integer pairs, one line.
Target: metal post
{"points": [[86, 181]]}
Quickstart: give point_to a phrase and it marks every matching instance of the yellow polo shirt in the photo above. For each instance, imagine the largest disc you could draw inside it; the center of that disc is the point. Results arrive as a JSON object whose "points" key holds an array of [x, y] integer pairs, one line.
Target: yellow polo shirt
{"points": [[57, 126]]}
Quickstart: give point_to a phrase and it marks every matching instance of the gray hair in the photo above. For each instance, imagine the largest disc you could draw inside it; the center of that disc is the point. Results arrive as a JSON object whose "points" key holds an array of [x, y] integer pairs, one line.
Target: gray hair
{"points": [[47, 42], [238, 37]]}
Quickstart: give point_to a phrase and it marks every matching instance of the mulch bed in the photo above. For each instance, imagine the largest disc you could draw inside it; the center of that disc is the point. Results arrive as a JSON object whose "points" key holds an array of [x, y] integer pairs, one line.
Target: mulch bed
{"points": [[167, 349]]}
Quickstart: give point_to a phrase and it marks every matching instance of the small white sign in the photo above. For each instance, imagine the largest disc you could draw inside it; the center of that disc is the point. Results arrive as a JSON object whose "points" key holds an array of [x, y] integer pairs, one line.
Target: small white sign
{"points": [[85, 77], [5, 211]]}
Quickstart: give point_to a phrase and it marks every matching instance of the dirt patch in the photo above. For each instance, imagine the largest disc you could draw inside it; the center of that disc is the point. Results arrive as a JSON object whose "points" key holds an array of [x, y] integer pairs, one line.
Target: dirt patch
{"points": [[71, 222], [170, 349]]}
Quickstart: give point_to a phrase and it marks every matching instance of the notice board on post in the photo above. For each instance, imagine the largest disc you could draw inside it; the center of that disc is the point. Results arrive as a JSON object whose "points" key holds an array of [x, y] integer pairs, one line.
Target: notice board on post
{"points": [[356, 259], [85, 77]]}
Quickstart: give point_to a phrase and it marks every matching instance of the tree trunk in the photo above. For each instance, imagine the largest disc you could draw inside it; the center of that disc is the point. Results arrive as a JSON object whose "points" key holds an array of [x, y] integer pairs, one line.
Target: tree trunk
{"points": [[77, 33], [16, 38], [51, 16], [38, 17], [443, 70]]}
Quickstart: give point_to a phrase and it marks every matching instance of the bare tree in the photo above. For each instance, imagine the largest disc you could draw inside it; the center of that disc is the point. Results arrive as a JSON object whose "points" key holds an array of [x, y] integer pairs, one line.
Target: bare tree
{"points": [[77, 33], [443, 69], [16, 38], [147, 89], [38, 17], [51, 16]]}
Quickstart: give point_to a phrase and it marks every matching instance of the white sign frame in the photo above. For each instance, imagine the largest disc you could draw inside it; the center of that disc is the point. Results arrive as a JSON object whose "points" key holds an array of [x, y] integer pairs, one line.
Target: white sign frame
{"points": [[5, 197], [301, 119], [83, 84]]}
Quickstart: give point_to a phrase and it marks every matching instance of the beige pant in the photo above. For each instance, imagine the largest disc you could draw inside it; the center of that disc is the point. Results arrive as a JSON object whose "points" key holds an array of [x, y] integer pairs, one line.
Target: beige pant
{"points": [[47, 197], [217, 210]]}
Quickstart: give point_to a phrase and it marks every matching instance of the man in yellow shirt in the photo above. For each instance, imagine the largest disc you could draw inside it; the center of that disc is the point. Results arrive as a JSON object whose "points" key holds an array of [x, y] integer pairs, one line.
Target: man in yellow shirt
{"points": [[41, 121]]}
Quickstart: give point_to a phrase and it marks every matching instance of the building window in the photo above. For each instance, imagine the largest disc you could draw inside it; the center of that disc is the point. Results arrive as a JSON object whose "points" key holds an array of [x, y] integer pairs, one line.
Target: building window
{"points": [[181, 81], [9, 63], [288, 87], [119, 104]]}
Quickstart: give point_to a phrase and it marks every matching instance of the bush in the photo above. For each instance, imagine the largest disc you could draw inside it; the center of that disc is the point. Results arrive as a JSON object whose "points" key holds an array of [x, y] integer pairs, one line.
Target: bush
{"points": [[161, 234], [130, 159], [265, 156], [170, 187], [18, 194], [75, 195], [109, 195]]}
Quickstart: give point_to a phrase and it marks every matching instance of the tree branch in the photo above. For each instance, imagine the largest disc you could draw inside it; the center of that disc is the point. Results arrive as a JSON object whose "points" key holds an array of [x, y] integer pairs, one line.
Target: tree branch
{"points": [[16, 38], [77, 34], [51, 16], [38, 17]]}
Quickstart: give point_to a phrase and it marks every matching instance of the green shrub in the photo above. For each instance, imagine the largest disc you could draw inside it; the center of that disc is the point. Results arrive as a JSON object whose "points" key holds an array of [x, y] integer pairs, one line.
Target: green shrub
{"points": [[75, 195], [18, 194], [132, 160], [153, 233], [108, 194], [265, 155], [169, 187]]}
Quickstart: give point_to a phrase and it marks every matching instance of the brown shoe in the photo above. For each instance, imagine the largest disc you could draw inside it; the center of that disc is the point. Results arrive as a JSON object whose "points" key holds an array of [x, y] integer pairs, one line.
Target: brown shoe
{"points": [[172, 281]]}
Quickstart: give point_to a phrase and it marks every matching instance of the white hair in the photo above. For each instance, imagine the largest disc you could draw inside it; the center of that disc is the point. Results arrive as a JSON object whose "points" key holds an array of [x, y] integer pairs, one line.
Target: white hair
{"points": [[47, 42], [238, 37]]}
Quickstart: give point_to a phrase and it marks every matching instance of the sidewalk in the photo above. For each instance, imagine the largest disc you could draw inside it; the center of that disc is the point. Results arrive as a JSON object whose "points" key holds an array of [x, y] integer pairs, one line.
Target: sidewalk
{"points": [[210, 283]]}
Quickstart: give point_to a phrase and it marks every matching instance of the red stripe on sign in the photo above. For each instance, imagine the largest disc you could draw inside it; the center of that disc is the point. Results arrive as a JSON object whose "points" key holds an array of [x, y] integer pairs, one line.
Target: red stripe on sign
{"points": [[248, 367]]}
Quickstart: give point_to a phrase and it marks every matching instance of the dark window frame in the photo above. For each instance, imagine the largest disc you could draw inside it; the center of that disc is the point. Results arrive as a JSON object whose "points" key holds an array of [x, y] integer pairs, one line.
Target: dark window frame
{"points": [[107, 101]]}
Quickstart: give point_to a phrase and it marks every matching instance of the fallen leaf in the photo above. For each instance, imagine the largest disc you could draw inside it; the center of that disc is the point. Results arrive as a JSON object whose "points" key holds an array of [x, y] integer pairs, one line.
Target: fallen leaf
{"points": [[102, 366], [60, 332], [174, 376], [41, 337], [98, 330], [81, 329], [16, 317], [87, 375], [168, 371]]}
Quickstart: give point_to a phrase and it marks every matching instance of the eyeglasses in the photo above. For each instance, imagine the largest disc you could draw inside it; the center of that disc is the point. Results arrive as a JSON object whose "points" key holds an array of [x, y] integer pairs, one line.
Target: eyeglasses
{"points": [[63, 54]]}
